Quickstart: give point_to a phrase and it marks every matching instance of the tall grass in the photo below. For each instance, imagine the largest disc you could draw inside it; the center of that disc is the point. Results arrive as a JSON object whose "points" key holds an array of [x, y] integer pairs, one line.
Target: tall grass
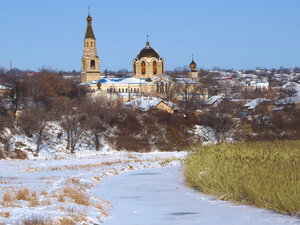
{"points": [[264, 174]]}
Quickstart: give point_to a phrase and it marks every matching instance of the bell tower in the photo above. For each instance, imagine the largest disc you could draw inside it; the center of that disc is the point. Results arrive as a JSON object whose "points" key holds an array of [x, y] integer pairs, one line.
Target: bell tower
{"points": [[90, 69]]}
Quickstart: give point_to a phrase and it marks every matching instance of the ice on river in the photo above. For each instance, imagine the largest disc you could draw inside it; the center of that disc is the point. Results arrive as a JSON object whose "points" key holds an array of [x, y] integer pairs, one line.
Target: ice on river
{"points": [[159, 197]]}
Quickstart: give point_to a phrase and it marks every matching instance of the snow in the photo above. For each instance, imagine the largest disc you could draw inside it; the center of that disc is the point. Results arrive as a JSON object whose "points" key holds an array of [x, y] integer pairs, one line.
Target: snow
{"points": [[187, 81], [207, 134], [260, 85], [2, 87], [79, 173], [107, 179], [289, 100], [252, 104], [292, 86], [160, 196], [145, 104], [122, 80], [216, 99], [131, 188], [54, 144]]}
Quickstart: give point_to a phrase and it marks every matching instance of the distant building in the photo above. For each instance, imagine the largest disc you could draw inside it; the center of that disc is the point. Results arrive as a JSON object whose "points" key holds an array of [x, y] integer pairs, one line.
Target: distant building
{"points": [[4, 90]]}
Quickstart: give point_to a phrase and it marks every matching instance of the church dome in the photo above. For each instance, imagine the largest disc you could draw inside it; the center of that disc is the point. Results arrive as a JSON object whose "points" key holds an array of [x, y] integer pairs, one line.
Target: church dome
{"points": [[148, 52], [193, 65]]}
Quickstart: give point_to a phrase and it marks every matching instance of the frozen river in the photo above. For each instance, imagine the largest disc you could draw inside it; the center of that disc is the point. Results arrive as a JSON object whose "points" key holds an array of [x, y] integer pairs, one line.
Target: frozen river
{"points": [[159, 197]]}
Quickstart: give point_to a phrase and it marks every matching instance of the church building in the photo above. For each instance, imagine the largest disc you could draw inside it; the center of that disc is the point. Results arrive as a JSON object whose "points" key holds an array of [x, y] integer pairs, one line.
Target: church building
{"points": [[148, 63], [148, 80]]}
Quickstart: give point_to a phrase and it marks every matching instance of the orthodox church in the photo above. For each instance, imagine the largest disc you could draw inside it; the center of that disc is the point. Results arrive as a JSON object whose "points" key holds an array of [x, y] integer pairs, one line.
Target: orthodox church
{"points": [[148, 78]]}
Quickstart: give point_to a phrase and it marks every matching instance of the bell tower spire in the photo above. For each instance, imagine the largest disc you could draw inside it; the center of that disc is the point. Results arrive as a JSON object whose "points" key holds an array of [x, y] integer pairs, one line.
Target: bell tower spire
{"points": [[89, 30], [90, 61]]}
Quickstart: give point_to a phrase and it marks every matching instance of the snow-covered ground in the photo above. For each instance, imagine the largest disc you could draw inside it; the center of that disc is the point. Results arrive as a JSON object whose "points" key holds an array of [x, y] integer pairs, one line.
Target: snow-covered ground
{"points": [[159, 196], [139, 188], [64, 188]]}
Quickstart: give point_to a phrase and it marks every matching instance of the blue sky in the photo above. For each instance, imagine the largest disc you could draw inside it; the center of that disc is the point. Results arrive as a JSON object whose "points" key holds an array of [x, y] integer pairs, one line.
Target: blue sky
{"points": [[228, 34]]}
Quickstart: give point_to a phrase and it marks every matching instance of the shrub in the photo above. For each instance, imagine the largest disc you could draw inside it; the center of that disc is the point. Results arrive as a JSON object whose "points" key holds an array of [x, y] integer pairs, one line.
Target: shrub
{"points": [[66, 221], [17, 154], [5, 214], [7, 197], [23, 194], [79, 197], [34, 202]]}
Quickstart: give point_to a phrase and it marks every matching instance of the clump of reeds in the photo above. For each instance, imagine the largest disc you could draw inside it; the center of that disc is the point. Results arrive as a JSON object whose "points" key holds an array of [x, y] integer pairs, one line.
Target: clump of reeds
{"points": [[78, 196], [265, 174]]}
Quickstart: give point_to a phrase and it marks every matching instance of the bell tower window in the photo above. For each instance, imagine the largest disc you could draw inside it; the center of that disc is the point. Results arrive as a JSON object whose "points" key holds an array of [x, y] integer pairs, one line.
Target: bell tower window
{"points": [[143, 68], [92, 64], [154, 68]]}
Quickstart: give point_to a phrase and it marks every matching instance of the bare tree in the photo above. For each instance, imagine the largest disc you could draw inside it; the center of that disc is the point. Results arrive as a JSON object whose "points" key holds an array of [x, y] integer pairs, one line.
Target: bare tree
{"points": [[72, 123], [100, 116], [33, 121], [220, 119], [189, 93]]}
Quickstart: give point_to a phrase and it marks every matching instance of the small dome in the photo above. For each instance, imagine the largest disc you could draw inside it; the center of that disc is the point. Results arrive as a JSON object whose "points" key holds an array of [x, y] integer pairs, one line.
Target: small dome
{"points": [[148, 80], [89, 18], [193, 65], [148, 52]]}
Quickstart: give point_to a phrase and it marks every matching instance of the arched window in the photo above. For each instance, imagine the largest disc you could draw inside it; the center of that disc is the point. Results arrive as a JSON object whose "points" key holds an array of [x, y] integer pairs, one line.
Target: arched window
{"points": [[154, 68], [91, 44], [126, 90], [92, 64], [143, 68], [134, 90], [83, 66], [122, 89], [119, 90], [166, 87], [157, 87], [138, 90], [162, 87], [87, 44], [131, 90]]}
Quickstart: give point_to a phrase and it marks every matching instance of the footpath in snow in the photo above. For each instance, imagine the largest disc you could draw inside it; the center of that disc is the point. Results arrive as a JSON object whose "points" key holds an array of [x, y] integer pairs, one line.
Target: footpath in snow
{"points": [[159, 197]]}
